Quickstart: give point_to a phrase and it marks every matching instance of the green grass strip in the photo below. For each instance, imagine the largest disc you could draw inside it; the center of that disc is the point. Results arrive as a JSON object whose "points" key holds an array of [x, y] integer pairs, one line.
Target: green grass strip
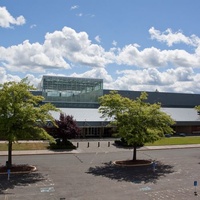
{"points": [[176, 141], [25, 146]]}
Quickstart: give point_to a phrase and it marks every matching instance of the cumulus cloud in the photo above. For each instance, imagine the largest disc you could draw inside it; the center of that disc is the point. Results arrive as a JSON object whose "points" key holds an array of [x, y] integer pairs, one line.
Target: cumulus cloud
{"points": [[147, 69], [154, 57], [171, 80], [77, 48], [65, 48], [149, 57], [171, 38], [5, 77], [7, 20], [59, 50], [95, 73], [26, 56], [33, 80]]}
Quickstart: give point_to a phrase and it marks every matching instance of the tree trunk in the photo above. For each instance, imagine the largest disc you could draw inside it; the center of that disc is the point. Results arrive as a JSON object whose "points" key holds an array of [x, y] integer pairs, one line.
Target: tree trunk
{"points": [[134, 152], [9, 162]]}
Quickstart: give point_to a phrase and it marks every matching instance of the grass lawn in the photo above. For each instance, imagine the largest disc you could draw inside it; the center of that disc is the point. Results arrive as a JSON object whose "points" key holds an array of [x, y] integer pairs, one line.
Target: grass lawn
{"points": [[176, 141], [25, 146]]}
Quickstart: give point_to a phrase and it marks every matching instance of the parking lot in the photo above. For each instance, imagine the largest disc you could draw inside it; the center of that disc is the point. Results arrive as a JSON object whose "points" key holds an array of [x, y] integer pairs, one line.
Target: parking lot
{"points": [[92, 176]]}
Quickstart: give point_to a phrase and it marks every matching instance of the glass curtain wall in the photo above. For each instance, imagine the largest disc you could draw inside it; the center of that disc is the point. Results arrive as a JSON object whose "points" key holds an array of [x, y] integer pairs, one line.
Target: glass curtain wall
{"points": [[71, 90]]}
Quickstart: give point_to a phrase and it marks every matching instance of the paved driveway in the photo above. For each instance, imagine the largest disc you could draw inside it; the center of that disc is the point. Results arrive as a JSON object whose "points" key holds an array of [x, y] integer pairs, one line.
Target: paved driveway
{"points": [[92, 176]]}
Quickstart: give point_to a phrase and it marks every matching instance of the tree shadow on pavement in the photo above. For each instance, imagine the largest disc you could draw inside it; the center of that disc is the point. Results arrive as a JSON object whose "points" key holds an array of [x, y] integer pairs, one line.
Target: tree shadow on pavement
{"points": [[134, 174], [25, 179]]}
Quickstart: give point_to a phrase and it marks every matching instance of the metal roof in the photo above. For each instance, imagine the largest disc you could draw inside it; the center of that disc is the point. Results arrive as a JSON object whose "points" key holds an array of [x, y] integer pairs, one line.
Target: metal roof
{"points": [[80, 114], [182, 114], [92, 115]]}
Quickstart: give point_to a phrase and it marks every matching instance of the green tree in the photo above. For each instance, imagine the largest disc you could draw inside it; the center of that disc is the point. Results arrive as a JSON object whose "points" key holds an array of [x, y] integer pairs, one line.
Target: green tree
{"points": [[137, 121], [198, 109], [21, 115]]}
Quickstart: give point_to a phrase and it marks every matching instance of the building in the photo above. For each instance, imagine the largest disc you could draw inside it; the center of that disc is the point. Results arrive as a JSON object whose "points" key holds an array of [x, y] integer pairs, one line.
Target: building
{"points": [[79, 97]]}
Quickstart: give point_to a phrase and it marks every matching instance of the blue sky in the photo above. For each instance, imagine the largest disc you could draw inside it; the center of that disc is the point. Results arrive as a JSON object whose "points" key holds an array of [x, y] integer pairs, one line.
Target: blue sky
{"points": [[138, 45]]}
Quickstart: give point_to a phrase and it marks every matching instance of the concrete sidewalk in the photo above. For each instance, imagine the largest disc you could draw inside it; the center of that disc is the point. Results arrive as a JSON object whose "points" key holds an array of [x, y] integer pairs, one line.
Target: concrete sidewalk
{"points": [[95, 146]]}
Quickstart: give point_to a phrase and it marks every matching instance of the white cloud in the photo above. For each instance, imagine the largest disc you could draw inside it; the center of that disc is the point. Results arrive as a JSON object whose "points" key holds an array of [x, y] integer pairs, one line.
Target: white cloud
{"points": [[33, 80], [33, 26], [26, 56], [148, 69], [98, 39], [65, 48], [172, 80], [153, 57], [149, 57], [5, 77], [74, 7], [6, 19], [77, 48], [95, 73], [59, 50], [114, 43], [173, 38], [79, 14]]}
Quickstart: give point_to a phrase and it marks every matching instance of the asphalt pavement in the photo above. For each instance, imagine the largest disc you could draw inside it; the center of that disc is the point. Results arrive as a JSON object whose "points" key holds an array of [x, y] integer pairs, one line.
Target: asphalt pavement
{"points": [[93, 176]]}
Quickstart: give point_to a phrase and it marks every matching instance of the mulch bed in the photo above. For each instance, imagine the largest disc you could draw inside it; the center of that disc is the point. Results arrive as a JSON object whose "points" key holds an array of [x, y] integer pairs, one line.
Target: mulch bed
{"points": [[18, 168], [133, 162]]}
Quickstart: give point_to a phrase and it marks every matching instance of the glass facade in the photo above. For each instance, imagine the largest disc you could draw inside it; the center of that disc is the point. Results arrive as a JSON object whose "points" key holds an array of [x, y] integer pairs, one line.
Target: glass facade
{"points": [[71, 90]]}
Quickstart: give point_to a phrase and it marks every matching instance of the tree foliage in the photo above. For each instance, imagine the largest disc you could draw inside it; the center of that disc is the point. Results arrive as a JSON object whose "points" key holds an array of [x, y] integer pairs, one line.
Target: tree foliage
{"points": [[137, 121], [198, 109], [66, 128], [21, 115]]}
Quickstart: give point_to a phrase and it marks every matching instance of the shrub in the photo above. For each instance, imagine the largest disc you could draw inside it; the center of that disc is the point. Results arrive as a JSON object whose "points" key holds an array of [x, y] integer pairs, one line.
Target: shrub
{"points": [[60, 145]]}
